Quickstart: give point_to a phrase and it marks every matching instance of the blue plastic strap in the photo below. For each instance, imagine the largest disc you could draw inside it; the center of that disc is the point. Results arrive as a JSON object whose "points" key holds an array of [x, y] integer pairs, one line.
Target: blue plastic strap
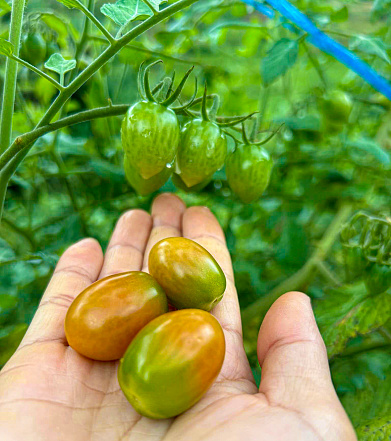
{"points": [[327, 44]]}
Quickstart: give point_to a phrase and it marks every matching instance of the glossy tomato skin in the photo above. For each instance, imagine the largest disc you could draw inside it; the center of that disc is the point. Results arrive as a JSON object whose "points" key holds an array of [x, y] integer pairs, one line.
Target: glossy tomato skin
{"points": [[177, 181], [337, 106], [143, 186], [248, 171], [105, 317], [188, 273], [150, 136], [202, 151], [33, 48], [172, 362]]}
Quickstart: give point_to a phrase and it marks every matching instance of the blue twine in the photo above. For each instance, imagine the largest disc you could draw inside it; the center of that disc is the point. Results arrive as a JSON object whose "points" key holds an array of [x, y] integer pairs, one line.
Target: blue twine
{"points": [[325, 43]]}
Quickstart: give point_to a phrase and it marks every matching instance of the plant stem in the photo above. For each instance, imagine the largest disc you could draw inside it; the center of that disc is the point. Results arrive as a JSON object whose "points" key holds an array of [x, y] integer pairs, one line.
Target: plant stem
{"points": [[316, 64], [11, 71], [253, 314], [39, 72], [23, 141], [97, 23]]}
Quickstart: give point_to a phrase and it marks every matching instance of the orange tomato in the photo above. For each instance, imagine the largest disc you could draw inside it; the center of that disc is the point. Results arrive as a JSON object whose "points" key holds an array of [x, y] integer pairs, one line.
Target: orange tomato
{"points": [[105, 317]]}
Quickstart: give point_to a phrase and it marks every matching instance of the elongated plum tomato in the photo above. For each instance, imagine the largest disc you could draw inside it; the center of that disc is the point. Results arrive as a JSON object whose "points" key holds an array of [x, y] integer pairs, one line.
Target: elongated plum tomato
{"points": [[105, 317], [188, 273], [177, 181], [172, 362], [145, 186], [150, 136], [202, 151], [248, 171]]}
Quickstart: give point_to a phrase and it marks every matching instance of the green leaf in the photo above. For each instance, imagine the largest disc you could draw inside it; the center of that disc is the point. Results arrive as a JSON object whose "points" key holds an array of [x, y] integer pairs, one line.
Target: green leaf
{"points": [[340, 15], [71, 4], [358, 147], [370, 45], [155, 3], [10, 337], [380, 8], [106, 170], [4, 7], [279, 59], [124, 11], [345, 322], [6, 48], [377, 429], [58, 64]]}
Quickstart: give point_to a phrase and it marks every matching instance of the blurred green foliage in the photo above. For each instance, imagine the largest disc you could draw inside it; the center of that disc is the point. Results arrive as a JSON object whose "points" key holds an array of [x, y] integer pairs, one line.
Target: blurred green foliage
{"points": [[72, 182]]}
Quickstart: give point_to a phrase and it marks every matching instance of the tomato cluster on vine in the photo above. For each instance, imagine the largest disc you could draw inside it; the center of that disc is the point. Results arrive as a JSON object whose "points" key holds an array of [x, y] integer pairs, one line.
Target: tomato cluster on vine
{"points": [[157, 148]]}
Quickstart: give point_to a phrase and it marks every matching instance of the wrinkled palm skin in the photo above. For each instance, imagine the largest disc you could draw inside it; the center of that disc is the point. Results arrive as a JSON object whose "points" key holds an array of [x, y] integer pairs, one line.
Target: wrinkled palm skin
{"points": [[172, 362], [188, 274], [248, 170], [150, 136], [106, 316], [202, 151]]}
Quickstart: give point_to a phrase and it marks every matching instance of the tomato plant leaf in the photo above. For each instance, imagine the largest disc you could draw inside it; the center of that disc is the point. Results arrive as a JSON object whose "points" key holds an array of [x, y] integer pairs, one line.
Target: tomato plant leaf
{"points": [[377, 429], [345, 321], [279, 59], [340, 15], [4, 7], [156, 3], [71, 4], [6, 48], [370, 45], [124, 11], [358, 148], [57, 63]]}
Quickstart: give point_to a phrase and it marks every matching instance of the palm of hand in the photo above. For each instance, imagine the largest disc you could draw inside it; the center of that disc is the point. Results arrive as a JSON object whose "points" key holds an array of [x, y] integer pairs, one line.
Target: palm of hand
{"points": [[50, 392]]}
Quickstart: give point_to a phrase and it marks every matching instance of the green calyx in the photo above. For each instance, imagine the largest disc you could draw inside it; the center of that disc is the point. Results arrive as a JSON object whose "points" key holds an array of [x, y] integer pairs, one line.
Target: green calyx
{"points": [[163, 93]]}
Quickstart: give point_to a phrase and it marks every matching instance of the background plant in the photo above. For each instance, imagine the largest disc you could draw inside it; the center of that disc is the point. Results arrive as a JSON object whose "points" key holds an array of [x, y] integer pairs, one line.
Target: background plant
{"points": [[71, 183]]}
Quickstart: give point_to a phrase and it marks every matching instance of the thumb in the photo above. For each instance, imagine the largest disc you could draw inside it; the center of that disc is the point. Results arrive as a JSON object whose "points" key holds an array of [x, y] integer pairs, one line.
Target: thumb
{"points": [[295, 370]]}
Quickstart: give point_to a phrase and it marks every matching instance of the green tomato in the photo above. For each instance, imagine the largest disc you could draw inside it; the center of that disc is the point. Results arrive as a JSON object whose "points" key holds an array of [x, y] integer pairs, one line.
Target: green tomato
{"points": [[172, 362], [337, 107], [51, 48], [248, 170], [33, 49], [150, 136], [177, 181], [378, 278], [187, 272], [143, 186], [202, 151]]}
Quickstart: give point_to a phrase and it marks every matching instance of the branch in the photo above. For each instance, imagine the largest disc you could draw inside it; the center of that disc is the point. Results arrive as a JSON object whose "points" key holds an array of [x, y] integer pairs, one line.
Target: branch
{"points": [[39, 72], [24, 141], [11, 71], [96, 22]]}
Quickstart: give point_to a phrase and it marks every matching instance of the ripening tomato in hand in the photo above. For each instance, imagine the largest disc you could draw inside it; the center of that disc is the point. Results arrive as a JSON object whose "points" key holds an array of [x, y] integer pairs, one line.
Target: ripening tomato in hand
{"points": [[172, 362], [188, 273], [105, 317]]}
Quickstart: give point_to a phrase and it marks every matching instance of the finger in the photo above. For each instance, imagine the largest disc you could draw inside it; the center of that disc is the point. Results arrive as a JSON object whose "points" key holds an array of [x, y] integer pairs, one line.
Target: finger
{"points": [[126, 248], [200, 225], [167, 211], [293, 357], [77, 268]]}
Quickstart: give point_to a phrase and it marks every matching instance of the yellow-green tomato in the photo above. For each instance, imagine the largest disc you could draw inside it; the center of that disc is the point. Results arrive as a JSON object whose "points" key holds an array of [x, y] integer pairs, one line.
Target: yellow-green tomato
{"points": [[172, 362], [188, 273], [105, 317]]}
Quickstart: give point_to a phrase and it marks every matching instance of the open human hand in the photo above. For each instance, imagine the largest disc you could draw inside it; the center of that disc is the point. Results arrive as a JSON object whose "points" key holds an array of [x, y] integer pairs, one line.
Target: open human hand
{"points": [[50, 392]]}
